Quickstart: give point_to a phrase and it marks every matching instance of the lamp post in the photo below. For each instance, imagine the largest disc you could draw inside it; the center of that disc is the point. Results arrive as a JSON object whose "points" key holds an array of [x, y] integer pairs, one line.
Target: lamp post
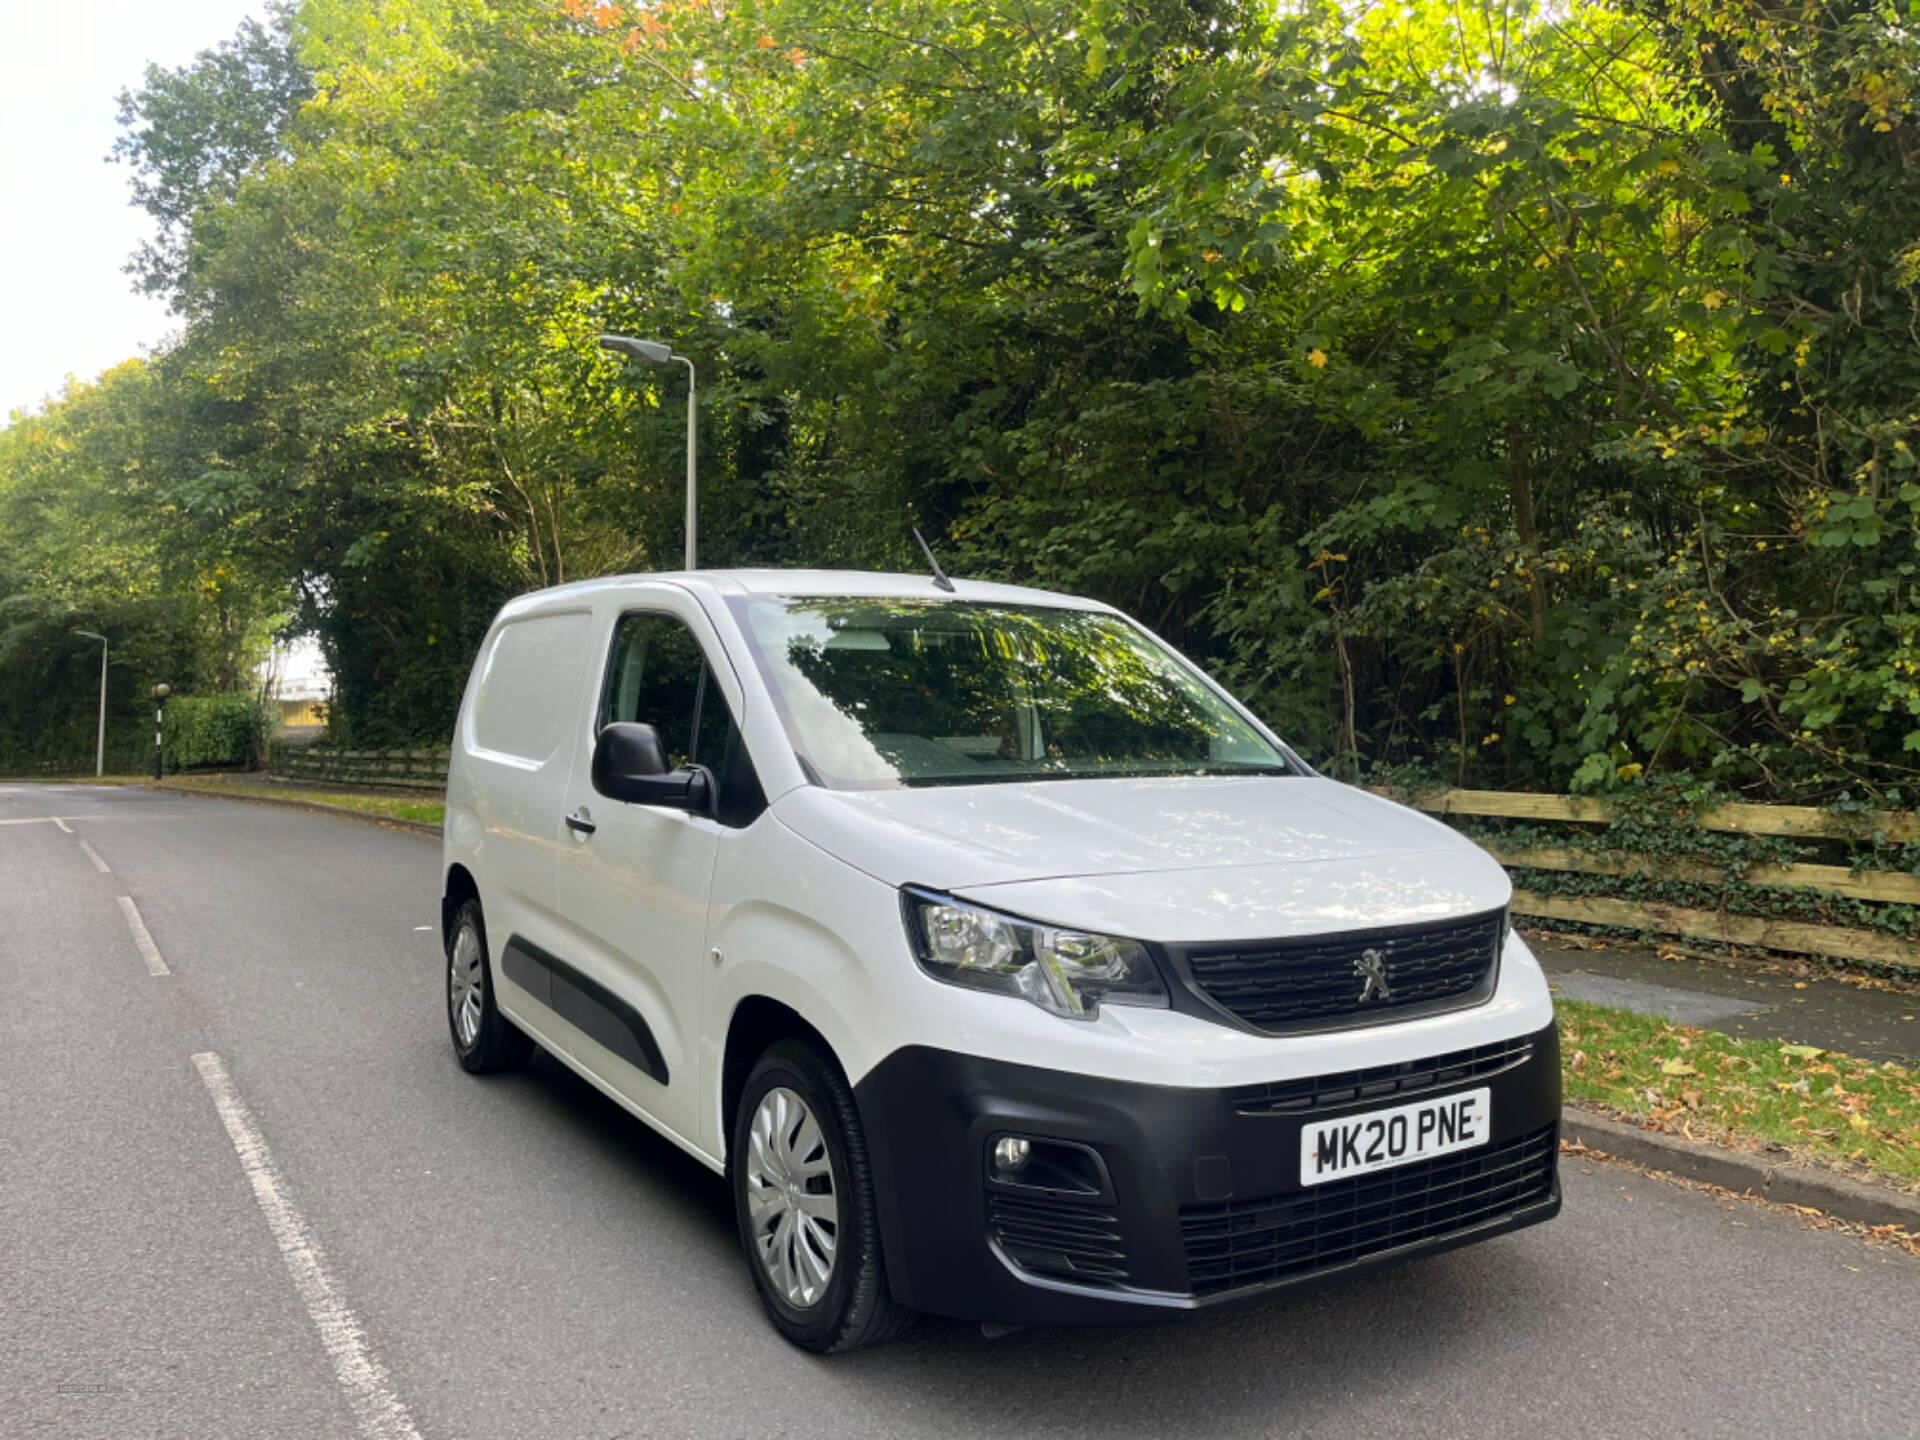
{"points": [[654, 353], [100, 741], [159, 693]]}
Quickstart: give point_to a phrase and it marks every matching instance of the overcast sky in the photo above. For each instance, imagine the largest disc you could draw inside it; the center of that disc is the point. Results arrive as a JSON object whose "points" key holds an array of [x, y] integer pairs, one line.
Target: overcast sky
{"points": [[66, 229]]}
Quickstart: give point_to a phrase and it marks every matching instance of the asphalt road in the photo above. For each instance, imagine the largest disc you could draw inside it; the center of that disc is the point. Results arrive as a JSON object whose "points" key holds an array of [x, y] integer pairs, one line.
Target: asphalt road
{"points": [[515, 1257]]}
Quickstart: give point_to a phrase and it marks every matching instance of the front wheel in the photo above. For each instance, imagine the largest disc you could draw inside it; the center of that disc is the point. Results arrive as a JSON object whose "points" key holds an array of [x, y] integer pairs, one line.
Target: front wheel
{"points": [[803, 1194], [484, 1040]]}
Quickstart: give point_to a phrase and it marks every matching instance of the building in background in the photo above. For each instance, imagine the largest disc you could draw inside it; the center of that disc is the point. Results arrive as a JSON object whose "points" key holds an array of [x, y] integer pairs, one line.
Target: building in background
{"points": [[298, 686]]}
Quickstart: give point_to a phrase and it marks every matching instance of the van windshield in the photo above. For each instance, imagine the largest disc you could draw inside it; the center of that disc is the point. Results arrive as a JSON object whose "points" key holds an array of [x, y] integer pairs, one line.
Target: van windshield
{"points": [[884, 692]]}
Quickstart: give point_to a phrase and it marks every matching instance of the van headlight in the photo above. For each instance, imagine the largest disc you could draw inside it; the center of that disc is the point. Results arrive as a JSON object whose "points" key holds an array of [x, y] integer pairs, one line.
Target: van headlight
{"points": [[1069, 972]]}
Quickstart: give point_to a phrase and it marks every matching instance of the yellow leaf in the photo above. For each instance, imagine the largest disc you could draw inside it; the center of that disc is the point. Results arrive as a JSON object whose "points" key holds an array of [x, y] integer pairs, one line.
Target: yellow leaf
{"points": [[1802, 1052], [1317, 358], [1677, 1067], [1858, 1122]]}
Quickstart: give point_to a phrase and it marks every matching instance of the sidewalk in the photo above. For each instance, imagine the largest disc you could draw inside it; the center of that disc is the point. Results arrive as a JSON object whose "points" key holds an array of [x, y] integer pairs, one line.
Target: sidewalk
{"points": [[1747, 998]]}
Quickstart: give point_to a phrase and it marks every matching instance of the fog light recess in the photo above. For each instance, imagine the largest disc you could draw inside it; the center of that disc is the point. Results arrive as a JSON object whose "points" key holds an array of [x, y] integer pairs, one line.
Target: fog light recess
{"points": [[1053, 1167]]}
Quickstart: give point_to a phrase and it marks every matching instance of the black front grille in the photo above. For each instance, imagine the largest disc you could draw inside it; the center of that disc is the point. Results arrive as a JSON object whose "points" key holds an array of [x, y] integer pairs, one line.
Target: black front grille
{"points": [[1355, 1087], [1250, 1242], [1287, 984], [1081, 1243]]}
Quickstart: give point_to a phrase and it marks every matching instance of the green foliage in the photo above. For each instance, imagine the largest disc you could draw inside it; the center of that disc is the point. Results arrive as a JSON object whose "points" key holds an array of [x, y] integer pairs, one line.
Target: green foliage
{"points": [[224, 731], [1522, 395], [89, 541], [192, 135]]}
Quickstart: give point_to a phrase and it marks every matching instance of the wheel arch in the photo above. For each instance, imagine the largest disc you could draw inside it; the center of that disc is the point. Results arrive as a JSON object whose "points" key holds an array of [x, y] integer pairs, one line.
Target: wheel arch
{"points": [[758, 1021], [460, 888]]}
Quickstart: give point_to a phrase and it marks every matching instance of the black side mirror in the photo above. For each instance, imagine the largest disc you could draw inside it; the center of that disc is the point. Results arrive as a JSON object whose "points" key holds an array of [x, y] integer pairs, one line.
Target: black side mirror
{"points": [[628, 764]]}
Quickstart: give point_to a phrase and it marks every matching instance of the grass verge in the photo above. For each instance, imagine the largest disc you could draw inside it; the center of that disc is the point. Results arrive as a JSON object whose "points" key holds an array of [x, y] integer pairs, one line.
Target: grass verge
{"points": [[391, 807], [1829, 1106]]}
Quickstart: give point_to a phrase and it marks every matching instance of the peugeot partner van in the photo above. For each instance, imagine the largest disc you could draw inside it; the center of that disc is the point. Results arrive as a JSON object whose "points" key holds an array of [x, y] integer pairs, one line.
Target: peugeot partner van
{"points": [[1009, 967]]}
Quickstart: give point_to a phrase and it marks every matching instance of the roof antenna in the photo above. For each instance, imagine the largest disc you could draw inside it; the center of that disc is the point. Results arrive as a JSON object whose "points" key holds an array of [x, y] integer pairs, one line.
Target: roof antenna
{"points": [[939, 575]]}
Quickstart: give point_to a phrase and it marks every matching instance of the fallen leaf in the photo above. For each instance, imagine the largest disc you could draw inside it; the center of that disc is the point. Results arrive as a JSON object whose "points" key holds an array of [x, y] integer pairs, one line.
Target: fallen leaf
{"points": [[1858, 1122], [1677, 1067], [1802, 1052]]}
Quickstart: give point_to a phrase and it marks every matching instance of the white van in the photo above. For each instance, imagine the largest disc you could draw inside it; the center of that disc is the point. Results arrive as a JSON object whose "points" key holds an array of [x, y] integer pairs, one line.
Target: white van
{"points": [[1009, 967]]}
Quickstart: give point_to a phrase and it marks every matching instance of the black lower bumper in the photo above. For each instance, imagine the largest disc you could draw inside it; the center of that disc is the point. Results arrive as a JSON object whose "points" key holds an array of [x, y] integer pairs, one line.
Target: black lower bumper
{"points": [[1170, 1200]]}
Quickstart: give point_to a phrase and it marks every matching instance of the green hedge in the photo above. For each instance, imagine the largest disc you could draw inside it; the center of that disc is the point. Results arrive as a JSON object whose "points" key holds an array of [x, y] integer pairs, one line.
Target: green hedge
{"points": [[229, 731]]}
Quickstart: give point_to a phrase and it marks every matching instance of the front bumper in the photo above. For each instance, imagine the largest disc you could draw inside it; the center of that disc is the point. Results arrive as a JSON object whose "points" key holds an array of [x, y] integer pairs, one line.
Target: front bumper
{"points": [[1196, 1198]]}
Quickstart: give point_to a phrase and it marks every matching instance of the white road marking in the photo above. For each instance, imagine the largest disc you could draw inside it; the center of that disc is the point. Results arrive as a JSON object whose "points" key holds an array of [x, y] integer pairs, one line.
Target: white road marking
{"points": [[65, 829], [61, 820], [94, 855], [423, 927], [369, 1389], [149, 951]]}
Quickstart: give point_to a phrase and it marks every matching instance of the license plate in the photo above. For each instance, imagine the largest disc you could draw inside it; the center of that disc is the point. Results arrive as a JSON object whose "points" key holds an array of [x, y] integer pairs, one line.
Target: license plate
{"points": [[1381, 1139]]}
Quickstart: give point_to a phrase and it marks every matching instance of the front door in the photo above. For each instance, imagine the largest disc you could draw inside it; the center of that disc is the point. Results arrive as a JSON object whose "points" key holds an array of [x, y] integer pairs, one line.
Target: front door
{"points": [[633, 889]]}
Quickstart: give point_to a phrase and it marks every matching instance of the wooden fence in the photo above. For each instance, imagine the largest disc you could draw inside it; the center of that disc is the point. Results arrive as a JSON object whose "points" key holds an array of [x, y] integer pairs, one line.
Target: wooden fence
{"points": [[427, 770], [1801, 822], [394, 769]]}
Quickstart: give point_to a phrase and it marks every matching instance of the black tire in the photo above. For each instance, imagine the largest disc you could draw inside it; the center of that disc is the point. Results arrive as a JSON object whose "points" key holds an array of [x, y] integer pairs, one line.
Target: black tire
{"points": [[497, 1043], [856, 1308]]}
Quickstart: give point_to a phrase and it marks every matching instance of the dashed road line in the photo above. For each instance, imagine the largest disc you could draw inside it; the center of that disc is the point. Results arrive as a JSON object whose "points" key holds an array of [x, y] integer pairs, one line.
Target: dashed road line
{"points": [[370, 1391], [149, 951], [94, 856], [65, 829]]}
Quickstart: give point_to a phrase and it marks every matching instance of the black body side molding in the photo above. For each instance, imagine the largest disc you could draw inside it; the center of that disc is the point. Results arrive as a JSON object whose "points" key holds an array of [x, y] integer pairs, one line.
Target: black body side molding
{"points": [[584, 1002]]}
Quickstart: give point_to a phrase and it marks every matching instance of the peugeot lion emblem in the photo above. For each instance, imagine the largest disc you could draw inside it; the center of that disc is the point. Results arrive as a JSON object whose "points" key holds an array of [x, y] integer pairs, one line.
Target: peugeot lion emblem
{"points": [[1372, 967]]}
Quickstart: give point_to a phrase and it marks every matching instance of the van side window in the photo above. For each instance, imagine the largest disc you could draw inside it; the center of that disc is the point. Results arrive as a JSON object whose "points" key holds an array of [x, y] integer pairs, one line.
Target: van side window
{"points": [[658, 675]]}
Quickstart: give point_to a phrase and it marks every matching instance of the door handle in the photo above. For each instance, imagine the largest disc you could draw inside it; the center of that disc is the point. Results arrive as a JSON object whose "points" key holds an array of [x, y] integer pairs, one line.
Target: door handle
{"points": [[580, 825]]}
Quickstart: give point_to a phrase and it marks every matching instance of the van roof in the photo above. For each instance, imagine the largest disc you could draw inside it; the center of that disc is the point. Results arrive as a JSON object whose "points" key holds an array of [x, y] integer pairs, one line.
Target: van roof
{"points": [[831, 582]]}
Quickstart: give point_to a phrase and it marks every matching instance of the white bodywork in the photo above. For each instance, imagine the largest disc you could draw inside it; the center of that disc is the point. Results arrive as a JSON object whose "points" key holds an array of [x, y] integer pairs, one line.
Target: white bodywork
{"points": [[684, 918]]}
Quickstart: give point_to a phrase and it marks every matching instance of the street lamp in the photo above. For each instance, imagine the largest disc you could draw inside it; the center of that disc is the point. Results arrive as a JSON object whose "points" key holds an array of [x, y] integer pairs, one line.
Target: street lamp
{"points": [[100, 744], [654, 353], [159, 693]]}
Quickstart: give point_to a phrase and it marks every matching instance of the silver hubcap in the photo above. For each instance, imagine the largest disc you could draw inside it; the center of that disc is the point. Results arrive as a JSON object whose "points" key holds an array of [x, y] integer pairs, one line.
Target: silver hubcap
{"points": [[790, 1201], [465, 985]]}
